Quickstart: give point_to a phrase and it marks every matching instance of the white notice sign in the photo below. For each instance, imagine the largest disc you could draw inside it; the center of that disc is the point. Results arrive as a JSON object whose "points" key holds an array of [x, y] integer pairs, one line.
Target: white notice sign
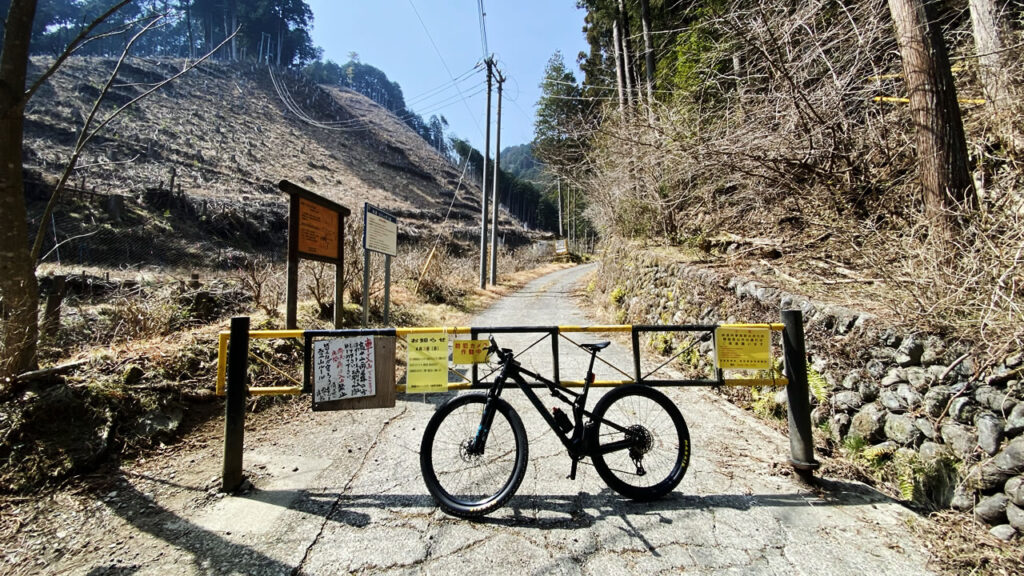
{"points": [[343, 368], [380, 231]]}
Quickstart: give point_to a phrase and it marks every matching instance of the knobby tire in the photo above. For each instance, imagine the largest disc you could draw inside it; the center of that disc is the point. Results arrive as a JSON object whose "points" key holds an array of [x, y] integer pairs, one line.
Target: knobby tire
{"points": [[470, 486], [659, 432]]}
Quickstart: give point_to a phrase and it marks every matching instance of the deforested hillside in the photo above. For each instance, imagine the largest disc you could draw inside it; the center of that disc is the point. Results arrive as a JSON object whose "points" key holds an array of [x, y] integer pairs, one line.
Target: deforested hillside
{"points": [[192, 170]]}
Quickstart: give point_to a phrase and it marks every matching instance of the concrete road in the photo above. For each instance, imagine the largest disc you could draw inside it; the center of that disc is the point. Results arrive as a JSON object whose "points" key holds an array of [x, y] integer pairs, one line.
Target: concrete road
{"points": [[341, 492]]}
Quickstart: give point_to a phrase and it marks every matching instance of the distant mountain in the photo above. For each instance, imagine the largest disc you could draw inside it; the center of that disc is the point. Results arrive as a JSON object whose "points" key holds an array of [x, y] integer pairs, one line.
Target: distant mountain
{"points": [[519, 161]]}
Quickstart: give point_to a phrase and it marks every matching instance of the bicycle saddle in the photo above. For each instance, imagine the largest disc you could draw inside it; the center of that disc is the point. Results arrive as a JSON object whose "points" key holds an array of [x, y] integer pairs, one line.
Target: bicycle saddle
{"points": [[596, 346]]}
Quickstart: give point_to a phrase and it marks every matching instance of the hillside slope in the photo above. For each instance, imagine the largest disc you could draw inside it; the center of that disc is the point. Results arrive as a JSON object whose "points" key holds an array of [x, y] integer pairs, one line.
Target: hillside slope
{"points": [[198, 162]]}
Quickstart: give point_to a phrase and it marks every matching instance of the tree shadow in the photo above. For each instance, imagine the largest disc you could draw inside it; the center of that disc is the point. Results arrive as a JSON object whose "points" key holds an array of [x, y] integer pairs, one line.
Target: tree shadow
{"points": [[544, 511]]}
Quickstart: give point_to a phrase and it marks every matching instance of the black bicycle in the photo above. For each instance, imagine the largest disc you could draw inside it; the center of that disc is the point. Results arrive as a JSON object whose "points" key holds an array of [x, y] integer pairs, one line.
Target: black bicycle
{"points": [[474, 450]]}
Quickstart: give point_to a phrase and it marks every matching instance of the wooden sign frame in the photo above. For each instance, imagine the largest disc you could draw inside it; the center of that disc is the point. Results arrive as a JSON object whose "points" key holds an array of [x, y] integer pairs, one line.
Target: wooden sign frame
{"points": [[316, 231], [384, 368]]}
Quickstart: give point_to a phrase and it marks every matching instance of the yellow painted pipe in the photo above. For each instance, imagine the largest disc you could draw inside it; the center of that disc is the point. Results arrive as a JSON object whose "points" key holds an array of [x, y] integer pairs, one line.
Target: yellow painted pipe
{"points": [[897, 100], [222, 361], [773, 327], [276, 333], [433, 329], [757, 382], [275, 391], [596, 328]]}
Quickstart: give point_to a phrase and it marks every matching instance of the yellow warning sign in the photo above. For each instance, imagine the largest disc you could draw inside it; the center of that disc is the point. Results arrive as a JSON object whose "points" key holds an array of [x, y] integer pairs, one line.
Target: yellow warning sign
{"points": [[743, 347], [469, 351], [428, 363]]}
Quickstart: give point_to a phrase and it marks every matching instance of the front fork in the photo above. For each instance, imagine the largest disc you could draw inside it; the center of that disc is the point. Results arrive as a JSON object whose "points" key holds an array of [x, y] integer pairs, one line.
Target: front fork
{"points": [[479, 442]]}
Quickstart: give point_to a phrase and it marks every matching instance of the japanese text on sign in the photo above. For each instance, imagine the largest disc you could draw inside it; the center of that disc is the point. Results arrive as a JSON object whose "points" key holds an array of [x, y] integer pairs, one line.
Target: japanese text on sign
{"points": [[741, 347], [380, 231], [428, 363], [343, 368], [469, 351], [318, 229], [560, 247]]}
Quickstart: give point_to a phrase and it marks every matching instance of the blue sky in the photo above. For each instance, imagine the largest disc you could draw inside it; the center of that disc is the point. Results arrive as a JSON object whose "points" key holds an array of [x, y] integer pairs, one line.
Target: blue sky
{"points": [[522, 35]]}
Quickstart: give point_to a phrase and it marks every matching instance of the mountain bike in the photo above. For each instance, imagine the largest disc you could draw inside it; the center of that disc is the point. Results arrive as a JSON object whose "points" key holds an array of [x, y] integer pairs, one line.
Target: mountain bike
{"points": [[474, 450]]}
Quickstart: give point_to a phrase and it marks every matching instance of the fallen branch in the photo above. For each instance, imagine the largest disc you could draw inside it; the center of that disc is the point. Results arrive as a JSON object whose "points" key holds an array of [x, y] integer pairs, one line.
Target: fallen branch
{"points": [[51, 371]]}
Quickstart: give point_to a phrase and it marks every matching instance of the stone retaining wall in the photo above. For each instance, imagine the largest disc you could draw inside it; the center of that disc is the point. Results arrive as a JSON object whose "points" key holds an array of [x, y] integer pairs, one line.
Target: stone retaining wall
{"points": [[894, 395]]}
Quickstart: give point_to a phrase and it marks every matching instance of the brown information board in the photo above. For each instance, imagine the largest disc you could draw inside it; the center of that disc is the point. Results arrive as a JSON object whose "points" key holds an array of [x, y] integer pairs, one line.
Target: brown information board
{"points": [[318, 230], [315, 232]]}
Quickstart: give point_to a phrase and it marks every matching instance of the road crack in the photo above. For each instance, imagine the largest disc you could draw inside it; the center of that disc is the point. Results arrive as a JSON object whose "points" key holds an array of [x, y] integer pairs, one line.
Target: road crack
{"points": [[362, 464]]}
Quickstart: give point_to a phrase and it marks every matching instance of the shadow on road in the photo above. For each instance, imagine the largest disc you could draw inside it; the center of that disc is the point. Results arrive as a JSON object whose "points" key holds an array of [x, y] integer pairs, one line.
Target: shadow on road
{"points": [[209, 549]]}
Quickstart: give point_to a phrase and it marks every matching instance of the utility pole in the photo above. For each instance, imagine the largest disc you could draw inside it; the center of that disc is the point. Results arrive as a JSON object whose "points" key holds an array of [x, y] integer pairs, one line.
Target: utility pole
{"points": [[494, 188], [559, 181], [483, 184]]}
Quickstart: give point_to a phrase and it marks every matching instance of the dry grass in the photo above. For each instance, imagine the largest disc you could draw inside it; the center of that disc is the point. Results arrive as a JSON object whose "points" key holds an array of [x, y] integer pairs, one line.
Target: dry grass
{"points": [[961, 546], [778, 162]]}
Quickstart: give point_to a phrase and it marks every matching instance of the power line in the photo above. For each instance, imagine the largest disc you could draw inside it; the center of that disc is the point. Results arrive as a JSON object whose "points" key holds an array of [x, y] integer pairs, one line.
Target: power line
{"points": [[441, 90], [445, 64], [483, 27]]}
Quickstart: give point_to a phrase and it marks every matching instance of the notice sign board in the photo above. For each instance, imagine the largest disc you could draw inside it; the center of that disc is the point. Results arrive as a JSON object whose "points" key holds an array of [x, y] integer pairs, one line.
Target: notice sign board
{"points": [[352, 373], [469, 351], [560, 247], [380, 231], [318, 230], [343, 368], [428, 363], [743, 347]]}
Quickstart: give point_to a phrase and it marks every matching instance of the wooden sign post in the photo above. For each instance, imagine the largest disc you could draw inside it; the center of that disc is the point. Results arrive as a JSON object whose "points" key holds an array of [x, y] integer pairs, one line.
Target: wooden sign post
{"points": [[316, 231]]}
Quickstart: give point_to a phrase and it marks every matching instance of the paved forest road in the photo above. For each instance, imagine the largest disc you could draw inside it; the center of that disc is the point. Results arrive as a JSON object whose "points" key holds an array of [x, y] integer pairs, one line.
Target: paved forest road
{"points": [[341, 492]]}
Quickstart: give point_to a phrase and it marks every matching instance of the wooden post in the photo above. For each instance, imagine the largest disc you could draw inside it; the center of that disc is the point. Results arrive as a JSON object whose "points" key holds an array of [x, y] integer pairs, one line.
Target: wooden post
{"points": [[292, 293], [51, 316], [234, 407], [339, 276]]}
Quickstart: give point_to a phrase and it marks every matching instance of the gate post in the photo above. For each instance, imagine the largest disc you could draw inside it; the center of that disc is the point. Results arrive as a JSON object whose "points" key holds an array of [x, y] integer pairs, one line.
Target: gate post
{"points": [[801, 438], [234, 406]]}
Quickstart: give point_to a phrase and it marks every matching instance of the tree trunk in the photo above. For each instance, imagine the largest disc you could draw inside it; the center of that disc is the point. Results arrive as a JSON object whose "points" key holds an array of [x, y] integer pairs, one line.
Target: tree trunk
{"points": [[234, 39], [995, 83], [188, 24], [941, 144], [620, 79], [18, 287], [645, 18], [627, 65]]}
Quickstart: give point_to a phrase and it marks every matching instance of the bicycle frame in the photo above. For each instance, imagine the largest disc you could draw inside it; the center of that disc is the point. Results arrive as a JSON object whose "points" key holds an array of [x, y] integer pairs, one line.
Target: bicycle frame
{"points": [[580, 444]]}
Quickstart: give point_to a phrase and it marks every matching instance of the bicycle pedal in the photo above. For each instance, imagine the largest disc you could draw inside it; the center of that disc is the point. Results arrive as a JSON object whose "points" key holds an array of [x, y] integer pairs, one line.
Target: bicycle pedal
{"points": [[572, 471]]}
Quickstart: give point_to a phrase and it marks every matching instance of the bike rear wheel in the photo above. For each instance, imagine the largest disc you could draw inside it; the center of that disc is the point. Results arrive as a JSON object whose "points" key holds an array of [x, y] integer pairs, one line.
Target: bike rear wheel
{"points": [[465, 484], [642, 445]]}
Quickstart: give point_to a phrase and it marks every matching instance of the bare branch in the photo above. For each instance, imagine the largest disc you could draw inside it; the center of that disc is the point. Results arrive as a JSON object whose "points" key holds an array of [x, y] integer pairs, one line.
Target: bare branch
{"points": [[75, 44]]}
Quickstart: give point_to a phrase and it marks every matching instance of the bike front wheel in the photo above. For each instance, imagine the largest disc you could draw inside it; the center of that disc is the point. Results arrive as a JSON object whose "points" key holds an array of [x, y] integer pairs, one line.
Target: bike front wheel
{"points": [[464, 481], [641, 446]]}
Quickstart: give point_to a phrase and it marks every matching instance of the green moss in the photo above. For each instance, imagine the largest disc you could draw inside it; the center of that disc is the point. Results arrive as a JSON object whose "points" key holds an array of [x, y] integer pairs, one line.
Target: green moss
{"points": [[618, 295]]}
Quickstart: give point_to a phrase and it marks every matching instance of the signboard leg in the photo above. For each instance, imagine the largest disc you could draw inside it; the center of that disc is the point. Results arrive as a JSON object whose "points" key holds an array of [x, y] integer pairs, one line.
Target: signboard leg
{"points": [[366, 288], [801, 439], [387, 288], [234, 407], [339, 291]]}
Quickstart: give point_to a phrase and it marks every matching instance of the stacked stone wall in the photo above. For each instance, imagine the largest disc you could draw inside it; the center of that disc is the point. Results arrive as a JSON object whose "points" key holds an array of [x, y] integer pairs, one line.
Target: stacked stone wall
{"points": [[920, 399]]}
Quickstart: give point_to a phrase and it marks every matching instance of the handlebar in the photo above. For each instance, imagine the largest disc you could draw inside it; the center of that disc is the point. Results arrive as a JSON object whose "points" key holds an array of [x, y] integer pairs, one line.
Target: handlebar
{"points": [[504, 354]]}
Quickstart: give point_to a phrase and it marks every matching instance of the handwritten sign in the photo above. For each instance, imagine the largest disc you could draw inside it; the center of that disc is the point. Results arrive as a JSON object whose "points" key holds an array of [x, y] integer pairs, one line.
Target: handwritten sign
{"points": [[743, 347], [469, 351], [427, 370], [343, 368], [318, 229], [380, 231]]}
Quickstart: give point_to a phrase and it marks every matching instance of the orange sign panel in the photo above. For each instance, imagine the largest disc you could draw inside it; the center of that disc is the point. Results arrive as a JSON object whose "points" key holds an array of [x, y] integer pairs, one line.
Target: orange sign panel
{"points": [[318, 229]]}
